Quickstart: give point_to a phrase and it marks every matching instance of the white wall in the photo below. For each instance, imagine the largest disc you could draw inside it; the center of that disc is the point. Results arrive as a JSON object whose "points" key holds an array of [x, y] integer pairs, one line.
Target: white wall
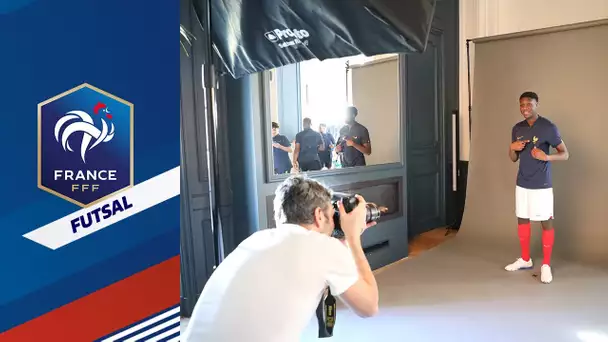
{"points": [[482, 18], [375, 93]]}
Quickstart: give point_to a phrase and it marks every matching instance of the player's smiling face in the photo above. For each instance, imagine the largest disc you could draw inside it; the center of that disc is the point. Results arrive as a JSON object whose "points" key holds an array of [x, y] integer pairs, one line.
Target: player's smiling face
{"points": [[527, 107]]}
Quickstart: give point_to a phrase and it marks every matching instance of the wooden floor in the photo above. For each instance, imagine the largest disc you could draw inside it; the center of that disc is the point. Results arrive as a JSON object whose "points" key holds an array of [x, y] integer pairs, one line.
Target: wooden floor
{"points": [[428, 240], [422, 243]]}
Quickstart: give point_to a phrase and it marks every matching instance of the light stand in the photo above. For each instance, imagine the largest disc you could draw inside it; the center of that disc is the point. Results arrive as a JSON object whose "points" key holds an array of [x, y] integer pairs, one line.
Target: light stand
{"points": [[210, 87], [455, 170], [469, 86]]}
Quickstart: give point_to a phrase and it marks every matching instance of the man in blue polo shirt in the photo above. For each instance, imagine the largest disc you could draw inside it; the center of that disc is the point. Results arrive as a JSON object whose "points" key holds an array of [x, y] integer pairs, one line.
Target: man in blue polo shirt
{"points": [[531, 140], [328, 143], [354, 142], [281, 147], [308, 145]]}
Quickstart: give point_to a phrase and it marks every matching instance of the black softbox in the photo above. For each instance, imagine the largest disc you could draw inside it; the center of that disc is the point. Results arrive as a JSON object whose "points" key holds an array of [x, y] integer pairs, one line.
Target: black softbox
{"points": [[256, 35]]}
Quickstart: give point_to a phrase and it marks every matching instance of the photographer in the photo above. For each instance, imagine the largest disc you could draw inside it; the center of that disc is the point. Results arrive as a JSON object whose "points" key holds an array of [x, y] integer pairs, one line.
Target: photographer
{"points": [[267, 289]]}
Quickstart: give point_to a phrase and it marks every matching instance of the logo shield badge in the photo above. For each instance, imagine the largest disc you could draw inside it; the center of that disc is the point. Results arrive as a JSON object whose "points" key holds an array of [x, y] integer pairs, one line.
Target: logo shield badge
{"points": [[85, 145]]}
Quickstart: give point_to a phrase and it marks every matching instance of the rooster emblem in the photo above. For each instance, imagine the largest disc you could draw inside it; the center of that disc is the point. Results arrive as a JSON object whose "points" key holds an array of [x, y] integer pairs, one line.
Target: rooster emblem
{"points": [[92, 136]]}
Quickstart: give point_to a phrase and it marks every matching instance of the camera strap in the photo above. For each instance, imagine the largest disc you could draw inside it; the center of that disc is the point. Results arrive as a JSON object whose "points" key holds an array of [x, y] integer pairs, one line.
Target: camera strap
{"points": [[326, 315]]}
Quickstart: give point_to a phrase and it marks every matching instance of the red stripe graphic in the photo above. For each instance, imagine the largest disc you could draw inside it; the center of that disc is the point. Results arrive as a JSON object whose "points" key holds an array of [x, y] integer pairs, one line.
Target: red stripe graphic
{"points": [[107, 310]]}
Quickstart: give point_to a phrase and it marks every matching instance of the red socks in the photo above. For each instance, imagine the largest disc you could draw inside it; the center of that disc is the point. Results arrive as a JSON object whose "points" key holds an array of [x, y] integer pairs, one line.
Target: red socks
{"points": [[548, 238], [524, 240]]}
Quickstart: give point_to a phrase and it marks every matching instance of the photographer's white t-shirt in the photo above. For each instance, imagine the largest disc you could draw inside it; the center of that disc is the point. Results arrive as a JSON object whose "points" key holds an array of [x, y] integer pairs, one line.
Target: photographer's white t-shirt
{"points": [[268, 288]]}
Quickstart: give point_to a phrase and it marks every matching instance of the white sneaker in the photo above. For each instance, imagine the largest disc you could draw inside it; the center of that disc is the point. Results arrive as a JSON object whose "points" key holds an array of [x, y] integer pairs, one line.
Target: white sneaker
{"points": [[519, 264], [545, 274]]}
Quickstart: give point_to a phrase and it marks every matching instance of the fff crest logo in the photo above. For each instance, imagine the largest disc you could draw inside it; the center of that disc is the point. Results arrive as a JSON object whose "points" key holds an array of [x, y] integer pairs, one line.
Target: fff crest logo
{"points": [[85, 145]]}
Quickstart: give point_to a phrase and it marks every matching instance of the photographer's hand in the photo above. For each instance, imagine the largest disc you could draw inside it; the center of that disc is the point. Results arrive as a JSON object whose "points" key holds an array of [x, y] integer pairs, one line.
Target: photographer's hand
{"points": [[353, 223]]}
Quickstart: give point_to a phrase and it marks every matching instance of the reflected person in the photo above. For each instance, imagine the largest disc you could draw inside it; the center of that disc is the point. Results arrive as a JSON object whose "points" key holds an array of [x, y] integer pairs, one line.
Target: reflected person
{"points": [[308, 145], [329, 144], [281, 147], [354, 142]]}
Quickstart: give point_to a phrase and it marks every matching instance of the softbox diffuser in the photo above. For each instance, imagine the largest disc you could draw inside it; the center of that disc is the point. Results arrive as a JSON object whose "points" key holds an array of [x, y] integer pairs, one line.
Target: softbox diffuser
{"points": [[256, 35]]}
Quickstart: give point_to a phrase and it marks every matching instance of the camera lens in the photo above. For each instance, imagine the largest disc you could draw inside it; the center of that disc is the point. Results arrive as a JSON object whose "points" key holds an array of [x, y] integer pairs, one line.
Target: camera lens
{"points": [[372, 212]]}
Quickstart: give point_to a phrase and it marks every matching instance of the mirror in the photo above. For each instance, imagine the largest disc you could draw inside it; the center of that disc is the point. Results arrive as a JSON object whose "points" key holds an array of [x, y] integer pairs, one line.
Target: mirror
{"points": [[334, 114]]}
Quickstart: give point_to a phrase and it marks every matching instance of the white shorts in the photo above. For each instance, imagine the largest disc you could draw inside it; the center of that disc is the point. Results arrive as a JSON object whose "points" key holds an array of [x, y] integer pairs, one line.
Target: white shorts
{"points": [[534, 204]]}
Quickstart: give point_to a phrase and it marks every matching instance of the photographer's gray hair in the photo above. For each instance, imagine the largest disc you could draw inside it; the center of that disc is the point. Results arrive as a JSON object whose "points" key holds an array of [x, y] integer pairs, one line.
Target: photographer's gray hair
{"points": [[296, 199]]}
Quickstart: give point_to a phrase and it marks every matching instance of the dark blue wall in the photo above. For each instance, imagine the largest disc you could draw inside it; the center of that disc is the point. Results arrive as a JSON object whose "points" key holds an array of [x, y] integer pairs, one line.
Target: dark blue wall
{"points": [[243, 153]]}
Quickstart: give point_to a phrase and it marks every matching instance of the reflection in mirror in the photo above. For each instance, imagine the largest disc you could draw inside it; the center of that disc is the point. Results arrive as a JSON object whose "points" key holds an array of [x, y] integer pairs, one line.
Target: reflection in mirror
{"points": [[281, 148], [328, 114]]}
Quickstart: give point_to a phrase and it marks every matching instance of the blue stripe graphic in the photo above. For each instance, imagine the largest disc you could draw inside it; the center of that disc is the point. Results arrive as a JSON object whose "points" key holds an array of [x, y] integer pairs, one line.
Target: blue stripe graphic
{"points": [[162, 327]]}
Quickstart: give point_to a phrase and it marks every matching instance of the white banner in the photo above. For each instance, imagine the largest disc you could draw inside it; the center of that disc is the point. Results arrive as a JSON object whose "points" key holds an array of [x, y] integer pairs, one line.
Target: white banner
{"points": [[103, 214]]}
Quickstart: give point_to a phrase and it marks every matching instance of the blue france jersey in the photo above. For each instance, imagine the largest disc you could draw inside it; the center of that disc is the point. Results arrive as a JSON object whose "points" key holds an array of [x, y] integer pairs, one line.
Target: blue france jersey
{"points": [[534, 173]]}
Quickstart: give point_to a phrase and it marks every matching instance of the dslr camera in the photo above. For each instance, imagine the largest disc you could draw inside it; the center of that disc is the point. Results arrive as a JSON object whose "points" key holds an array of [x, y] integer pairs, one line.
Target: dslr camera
{"points": [[350, 202]]}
